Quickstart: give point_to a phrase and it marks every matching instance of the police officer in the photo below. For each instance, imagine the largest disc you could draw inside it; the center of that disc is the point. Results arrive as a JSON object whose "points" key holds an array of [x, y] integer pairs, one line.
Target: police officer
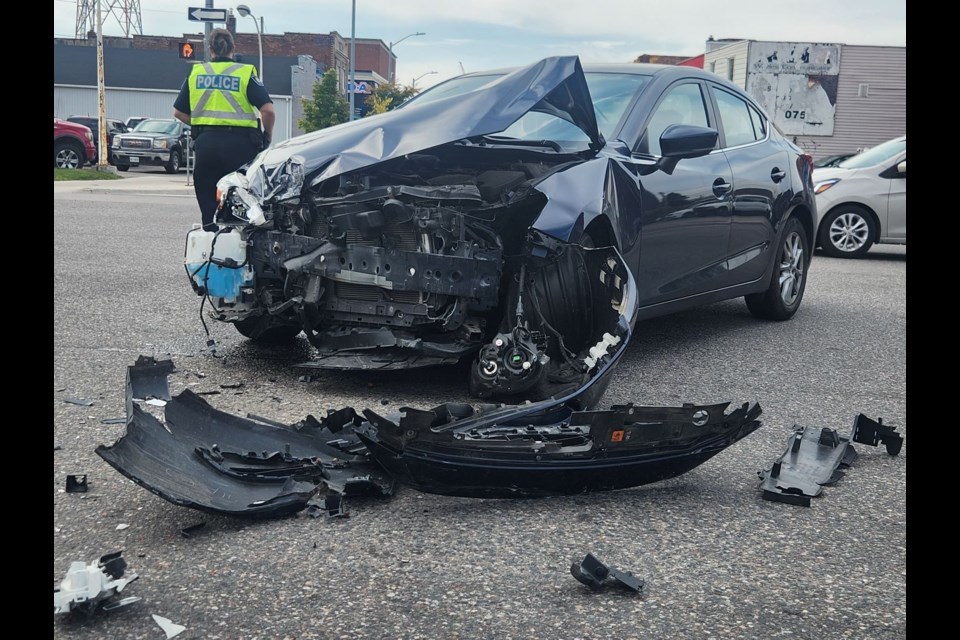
{"points": [[217, 100]]}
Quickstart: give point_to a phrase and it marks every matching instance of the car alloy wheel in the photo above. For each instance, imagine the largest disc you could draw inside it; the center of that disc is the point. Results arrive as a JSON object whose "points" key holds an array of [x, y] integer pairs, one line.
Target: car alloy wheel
{"points": [[847, 231], [68, 158], [791, 268], [781, 299], [174, 165]]}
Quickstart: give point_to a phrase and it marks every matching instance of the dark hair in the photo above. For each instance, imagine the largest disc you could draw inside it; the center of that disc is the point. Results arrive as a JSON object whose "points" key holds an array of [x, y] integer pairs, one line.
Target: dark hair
{"points": [[221, 42]]}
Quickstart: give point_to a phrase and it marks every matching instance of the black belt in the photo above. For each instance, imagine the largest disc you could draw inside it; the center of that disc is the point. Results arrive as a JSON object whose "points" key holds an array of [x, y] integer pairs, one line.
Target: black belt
{"points": [[201, 128]]}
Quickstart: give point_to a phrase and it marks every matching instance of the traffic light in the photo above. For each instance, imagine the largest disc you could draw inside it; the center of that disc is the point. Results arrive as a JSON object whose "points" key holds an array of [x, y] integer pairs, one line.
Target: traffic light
{"points": [[187, 51]]}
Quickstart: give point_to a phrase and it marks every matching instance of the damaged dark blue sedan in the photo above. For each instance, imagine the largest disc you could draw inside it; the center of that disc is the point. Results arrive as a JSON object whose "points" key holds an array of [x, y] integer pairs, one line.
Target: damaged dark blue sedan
{"points": [[524, 219]]}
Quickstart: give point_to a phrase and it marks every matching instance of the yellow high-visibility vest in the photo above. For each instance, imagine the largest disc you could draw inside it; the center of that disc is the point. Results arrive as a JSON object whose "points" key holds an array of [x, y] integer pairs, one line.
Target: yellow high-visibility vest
{"points": [[218, 94]]}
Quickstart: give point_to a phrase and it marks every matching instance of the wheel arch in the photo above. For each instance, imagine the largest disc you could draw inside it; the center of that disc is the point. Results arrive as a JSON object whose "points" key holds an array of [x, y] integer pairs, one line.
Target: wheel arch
{"points": [[806, 218], [601, 230]]}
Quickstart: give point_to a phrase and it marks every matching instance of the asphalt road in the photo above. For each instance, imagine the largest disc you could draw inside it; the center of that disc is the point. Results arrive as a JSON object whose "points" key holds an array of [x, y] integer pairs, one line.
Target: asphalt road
{"points": [[718, 561]]}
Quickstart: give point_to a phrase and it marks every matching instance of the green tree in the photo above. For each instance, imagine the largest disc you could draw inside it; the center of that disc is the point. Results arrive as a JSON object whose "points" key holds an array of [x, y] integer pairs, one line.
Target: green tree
{"points": [[327, 108], [387, 97]]}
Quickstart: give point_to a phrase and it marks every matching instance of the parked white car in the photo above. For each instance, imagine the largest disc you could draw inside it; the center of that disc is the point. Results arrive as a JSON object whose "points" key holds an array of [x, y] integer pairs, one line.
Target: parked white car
{"points": [[863, 200]]}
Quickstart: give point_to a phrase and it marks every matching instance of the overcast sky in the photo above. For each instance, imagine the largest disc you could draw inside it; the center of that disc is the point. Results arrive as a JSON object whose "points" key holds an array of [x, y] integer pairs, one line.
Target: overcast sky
{"points": [[484, 34]]}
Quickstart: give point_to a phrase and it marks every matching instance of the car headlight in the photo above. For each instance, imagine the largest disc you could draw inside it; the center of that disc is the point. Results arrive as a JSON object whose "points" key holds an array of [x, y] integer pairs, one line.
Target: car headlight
{"points": [[89, 135], [116, 143], [820, 187], [159, 144]]}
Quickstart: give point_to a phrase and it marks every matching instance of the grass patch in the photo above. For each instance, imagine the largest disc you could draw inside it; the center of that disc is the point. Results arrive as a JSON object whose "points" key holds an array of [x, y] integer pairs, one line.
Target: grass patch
{"points": [[87, 173]]}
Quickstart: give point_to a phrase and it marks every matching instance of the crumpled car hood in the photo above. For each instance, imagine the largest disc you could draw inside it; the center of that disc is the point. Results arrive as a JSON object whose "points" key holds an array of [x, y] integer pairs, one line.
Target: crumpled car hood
{"points": [[554, 85]]}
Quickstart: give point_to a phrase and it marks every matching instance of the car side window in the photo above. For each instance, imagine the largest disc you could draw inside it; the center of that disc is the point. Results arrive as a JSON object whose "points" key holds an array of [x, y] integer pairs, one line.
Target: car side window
{"points": [[759, 123], [736, 119], [682, 104]]}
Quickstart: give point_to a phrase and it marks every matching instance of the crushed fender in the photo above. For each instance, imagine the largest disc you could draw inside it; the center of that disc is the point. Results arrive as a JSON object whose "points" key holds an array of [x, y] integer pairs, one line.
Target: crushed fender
{"points": [[814, 457], [88, 587]]}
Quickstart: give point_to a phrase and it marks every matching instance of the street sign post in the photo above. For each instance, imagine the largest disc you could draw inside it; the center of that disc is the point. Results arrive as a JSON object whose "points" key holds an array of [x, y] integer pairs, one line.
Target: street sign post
{"points": [[203, 14]]}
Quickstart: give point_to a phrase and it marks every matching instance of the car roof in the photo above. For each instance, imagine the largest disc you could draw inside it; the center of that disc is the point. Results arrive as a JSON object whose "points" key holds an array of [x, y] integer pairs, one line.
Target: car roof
{"points": [[636, 68], [94, 118]]}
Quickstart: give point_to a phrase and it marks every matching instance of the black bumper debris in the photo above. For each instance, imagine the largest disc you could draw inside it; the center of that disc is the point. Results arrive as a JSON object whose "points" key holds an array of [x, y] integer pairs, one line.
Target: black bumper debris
{"points": [[548, 448], [596, 575], [220, 463], [206, 459], [814, 457]]}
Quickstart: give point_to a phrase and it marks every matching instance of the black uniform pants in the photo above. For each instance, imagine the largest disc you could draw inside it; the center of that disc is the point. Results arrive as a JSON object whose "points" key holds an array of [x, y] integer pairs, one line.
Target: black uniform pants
{"points": [[218, 153]]}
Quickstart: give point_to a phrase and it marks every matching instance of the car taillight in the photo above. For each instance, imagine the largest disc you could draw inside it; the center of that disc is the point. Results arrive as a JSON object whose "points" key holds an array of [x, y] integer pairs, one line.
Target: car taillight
{"points": [[805, 165]]}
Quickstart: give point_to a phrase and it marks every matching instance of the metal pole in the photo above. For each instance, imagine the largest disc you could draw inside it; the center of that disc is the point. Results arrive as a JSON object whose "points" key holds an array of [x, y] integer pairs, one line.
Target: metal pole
{"points": [[102, 149], [207, 28], [353, 57], [260, 43]]}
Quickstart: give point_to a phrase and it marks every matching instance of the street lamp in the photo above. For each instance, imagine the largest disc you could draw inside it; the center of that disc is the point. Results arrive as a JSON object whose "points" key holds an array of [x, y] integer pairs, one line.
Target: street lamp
{"points": [[244, 11], [392, 63], [413, 85]]}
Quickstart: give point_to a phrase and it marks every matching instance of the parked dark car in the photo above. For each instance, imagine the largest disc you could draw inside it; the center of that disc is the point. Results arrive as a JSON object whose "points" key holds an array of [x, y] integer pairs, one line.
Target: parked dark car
{"points": [[73, 145], [525, 219], [93, 122], [155, 142]]}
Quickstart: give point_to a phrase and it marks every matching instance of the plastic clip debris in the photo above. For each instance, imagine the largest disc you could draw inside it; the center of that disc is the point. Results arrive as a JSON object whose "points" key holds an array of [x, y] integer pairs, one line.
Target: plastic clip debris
{"points": [[595, 575], [77, 483]]}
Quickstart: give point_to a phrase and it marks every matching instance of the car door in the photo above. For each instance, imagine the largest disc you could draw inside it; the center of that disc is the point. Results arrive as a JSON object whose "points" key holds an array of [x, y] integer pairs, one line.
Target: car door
{"points": [[685, 214], [760, 173], [896, 227]]}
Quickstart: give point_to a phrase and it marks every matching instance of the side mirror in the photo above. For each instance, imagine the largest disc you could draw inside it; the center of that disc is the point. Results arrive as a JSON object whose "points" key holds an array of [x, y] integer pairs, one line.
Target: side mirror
{"points": [[687, 141], [902, 167], [683, 141]]}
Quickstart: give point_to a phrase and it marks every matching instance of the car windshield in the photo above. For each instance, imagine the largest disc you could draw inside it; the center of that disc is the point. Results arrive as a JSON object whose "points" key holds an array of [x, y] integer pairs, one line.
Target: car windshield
{"points": [[875, 155], [611, 94], [157, 126]]}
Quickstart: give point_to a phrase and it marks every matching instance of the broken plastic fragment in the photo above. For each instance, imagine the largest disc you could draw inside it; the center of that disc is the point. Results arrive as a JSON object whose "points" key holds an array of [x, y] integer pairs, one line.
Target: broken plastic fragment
{"points": [[814, 456], [88, 586], [121, 527], [155, 402], [77, 483], [169, 627], [79, 401], [595, 575], [601, 349]]}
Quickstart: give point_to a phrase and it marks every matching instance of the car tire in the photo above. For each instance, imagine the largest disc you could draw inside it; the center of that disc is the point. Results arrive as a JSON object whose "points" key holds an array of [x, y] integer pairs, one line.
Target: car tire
{"points": [[847, 232], [782, 298], [174, 165], [252, 328], [67, 155], [123, 167]]}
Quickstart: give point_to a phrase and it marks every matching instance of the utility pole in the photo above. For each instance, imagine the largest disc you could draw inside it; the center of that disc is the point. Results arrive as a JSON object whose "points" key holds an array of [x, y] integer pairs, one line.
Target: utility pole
{"points": [[102, 149], [353, 58]]}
